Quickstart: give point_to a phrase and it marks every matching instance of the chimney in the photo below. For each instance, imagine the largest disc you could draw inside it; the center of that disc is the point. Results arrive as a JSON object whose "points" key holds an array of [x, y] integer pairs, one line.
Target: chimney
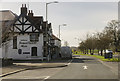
{"points": [[24, 9], [30, 14]]}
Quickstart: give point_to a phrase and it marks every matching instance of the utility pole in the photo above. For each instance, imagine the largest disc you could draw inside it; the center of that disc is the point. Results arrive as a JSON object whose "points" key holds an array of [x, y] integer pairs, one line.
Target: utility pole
{"points": [[59, 28]]}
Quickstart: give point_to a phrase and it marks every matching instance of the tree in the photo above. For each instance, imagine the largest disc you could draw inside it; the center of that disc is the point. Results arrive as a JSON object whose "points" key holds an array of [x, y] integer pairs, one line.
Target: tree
{"points": [[82, 47], [112, 30], [107, 39], [66, 43]]}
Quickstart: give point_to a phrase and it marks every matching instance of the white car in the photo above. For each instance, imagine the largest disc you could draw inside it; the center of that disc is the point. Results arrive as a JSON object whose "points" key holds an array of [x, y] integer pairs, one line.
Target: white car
{"points": [[106, 51], [109, 51]]}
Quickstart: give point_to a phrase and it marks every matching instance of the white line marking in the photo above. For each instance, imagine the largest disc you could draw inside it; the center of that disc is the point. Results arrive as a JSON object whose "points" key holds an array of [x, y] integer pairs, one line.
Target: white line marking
{"points": [[46, 77], [85, 67], [27, 77], [69, 63]]}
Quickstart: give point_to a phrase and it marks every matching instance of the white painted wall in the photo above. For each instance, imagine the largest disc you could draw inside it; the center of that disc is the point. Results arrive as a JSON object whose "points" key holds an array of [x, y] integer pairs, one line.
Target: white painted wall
{"points": [[57, 43], [6, 49], [9, 52]]}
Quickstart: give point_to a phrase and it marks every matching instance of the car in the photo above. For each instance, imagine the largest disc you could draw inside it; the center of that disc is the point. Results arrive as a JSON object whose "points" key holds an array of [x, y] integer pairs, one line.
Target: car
{"points": [[108, 54], [108, 51]]}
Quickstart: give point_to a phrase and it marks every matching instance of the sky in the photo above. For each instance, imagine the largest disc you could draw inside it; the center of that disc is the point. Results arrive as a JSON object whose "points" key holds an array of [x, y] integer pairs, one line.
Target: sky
{"points": [[81, 17]]}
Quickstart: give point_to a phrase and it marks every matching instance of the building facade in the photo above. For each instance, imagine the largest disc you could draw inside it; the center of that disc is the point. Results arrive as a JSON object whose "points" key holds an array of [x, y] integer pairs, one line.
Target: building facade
{"points": [[7, 18], [56, 52], [31, 37]]}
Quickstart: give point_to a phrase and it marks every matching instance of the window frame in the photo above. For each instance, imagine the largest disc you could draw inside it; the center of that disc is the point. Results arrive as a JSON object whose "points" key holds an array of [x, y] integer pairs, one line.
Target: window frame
{"points": [[15, 42], [34, 37]]}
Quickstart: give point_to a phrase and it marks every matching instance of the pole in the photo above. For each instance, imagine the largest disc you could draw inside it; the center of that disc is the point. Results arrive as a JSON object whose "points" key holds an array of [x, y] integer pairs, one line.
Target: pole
{"points": [[46, 28], [47, 7], [28, 5], [46, 11], [59, 31]]}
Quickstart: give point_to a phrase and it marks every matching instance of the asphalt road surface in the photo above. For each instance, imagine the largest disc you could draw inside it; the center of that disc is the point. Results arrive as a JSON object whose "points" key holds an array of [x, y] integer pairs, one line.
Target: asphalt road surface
{"points": [[81, 68]]}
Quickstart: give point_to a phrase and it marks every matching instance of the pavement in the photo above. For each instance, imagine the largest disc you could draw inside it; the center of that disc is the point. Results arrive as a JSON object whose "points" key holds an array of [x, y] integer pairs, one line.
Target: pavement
{"points": [[20, 66]]}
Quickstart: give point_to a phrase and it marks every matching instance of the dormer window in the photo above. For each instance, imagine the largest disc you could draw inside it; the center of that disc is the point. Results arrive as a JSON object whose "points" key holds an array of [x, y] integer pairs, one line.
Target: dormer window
{"points": [[34, 37]]}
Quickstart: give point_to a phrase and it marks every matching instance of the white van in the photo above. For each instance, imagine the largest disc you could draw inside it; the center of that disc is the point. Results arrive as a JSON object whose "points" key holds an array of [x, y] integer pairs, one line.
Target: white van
{"points": [[66, 52]]}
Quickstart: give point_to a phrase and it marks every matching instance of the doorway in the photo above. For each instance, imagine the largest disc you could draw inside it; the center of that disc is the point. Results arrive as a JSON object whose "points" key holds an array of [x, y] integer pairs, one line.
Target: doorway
{"points": [[34, 51]]}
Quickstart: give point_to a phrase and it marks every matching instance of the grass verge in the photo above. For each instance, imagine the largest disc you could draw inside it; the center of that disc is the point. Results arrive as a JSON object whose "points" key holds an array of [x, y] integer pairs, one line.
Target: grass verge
{"points": [[102, 58]]}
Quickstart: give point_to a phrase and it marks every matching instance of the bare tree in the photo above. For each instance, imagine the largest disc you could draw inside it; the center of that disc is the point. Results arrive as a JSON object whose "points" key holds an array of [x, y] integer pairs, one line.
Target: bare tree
{"points": [[108, 38], [66, 43]]}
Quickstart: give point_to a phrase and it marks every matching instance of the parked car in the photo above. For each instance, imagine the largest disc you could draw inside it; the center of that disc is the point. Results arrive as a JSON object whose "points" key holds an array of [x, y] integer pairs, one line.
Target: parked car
{"points": [[66, 52], [109, 51], [106, 51], [108, 54]]}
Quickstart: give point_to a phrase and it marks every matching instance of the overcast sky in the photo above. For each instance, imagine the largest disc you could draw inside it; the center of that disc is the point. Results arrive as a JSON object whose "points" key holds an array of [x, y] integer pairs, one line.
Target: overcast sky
{"points": [[81, 17]]}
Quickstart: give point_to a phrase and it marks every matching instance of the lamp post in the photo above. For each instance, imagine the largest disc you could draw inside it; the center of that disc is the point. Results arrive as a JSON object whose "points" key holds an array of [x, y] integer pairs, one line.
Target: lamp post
{"points": [[47, 7], [59, 28], [48, 55]]}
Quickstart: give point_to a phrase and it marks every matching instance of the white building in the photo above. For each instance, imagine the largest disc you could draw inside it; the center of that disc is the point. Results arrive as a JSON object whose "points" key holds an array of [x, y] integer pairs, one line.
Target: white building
{"points": [[29, 38], [7, 18]]}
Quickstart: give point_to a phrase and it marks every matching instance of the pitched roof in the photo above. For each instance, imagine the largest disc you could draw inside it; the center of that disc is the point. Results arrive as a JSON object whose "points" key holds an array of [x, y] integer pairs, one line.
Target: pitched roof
{"points": [[6, 15], [6, 20], [56, 38], [36, 20]]}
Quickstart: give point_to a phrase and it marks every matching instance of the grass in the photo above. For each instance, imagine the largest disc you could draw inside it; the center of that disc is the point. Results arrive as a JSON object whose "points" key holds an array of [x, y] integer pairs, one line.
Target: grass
{"points": [[100, 57], [96, 52]]}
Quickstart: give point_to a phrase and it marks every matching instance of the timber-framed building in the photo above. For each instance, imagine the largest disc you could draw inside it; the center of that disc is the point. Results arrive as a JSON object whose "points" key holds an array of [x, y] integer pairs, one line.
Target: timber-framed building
{"points": [[31, 37]]}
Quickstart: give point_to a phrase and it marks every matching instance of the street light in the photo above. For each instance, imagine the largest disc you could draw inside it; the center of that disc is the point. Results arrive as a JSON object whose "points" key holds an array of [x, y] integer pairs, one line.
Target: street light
{"points": [[47, 7], [47, 23], [59, 28]]}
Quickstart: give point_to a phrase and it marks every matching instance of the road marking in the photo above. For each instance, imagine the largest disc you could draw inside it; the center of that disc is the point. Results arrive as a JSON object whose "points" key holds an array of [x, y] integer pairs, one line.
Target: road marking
{"points": [[26, 77], [85, 67], [46, 77], [69, 63]]}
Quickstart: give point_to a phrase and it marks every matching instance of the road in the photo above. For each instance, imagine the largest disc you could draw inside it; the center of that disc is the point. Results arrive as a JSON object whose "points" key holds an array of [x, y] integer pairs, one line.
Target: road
{"points": [[81, 68]]}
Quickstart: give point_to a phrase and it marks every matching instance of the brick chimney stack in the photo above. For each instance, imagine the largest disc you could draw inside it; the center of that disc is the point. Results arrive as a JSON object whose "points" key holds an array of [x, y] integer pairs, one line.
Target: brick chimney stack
{"points": [[30, 14], [24, 9]]}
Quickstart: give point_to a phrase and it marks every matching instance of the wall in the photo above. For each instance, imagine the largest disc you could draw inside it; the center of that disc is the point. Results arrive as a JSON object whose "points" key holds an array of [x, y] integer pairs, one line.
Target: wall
{"points": [[57, 49], [58, 43], [9, 52]]}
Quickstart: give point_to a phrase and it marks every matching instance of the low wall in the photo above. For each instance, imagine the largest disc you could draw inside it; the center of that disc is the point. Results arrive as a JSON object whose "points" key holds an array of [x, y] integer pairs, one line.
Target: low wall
{"points": [[6, 62]]}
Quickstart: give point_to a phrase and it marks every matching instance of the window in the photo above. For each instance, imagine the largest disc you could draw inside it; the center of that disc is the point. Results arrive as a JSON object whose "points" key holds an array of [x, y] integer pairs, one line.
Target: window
{"points": [[34, 37], [15, 42]]}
